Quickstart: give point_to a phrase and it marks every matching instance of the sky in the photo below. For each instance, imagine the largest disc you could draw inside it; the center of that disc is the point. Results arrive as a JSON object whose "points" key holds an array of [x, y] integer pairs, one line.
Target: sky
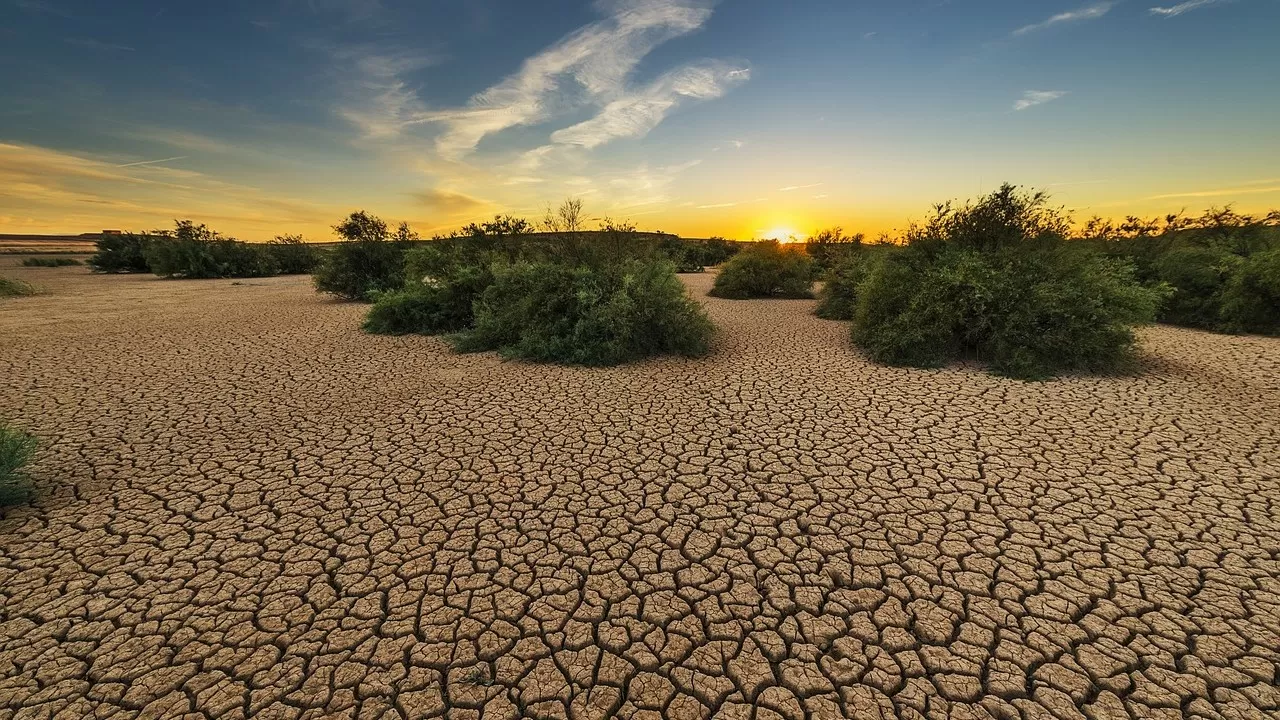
{"points": [[739, 118]]}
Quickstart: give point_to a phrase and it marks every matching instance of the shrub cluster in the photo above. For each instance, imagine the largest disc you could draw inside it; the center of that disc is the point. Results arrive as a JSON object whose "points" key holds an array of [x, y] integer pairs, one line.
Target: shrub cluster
{"points": [[997, 281], [766, 269], [124, 253], [696, 255], [830, 247], [16, 449], [10, 287], [50, 262], [1220, 267], [574, 298], [291, 255], [605, 314], [195, 251], [368, 261]]}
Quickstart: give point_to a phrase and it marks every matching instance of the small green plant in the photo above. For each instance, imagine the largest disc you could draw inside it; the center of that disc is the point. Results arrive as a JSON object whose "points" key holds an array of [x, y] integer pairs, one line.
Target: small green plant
{"points": [[50, 262], [123, 253], [766, 269], [10, 287], [16, 450], [368, 261]]}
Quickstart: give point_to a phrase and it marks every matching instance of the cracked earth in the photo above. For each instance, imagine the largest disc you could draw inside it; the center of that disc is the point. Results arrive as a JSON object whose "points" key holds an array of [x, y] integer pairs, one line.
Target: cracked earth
{"points": [[249, 508]]}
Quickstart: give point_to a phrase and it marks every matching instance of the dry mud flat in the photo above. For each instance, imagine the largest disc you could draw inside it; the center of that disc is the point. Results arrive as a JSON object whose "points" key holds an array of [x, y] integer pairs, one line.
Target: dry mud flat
{"points": [[252, 509]]}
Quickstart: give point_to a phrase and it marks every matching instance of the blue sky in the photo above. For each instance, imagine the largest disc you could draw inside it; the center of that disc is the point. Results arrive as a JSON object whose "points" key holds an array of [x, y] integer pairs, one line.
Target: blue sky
{"points": [[741, 118]]}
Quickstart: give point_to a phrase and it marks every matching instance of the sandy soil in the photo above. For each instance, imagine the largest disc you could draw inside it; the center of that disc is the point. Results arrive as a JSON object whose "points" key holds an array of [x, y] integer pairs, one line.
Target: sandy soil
{"points": [[250, 508]]}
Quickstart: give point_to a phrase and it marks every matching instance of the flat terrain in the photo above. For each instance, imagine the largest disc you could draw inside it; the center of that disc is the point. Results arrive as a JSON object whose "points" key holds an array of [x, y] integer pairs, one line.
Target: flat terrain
{"points": [[251, 508]]}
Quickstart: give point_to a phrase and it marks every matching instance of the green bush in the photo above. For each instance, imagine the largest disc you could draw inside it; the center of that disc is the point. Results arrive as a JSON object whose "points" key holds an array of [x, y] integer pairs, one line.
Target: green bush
{"points": [[602, 314], [916, 307], [124, 253], [1197, 276], [292, 255], [766, 269], [997, 281], [10, 287], [838, 298], [16, 449], [438, 304], [1251, 299], [195, 252], [368, 261], [50, 262]]}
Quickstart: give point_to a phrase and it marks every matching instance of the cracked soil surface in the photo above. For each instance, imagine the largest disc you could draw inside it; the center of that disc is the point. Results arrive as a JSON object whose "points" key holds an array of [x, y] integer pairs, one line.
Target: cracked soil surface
{"points": [[249, 508]]}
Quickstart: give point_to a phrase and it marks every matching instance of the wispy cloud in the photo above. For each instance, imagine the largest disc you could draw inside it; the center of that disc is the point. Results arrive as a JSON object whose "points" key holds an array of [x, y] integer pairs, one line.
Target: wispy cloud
{"points": [[40, 6], [599, 58], [448, 202], [153, 162], [385, 102], [1032, 98], [1175, 10], [637, 112], [717, 205], [790, 188], [591, 66], [98, 45], [1246, 189], [1088, 12]]}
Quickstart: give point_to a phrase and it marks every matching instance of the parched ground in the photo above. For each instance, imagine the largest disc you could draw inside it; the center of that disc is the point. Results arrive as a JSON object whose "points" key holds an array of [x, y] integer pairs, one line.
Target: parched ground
{"points": [[251, 509]]}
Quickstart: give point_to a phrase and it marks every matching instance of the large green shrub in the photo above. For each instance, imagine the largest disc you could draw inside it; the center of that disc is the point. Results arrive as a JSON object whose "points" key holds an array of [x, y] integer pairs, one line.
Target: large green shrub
{"points": [[601, 314], [124, 253], [10, 287], [50, 262], [1197, 276], [998, 281], [16, 449], [368, 261], [766, 269], [1251, 299], [196, 252]]}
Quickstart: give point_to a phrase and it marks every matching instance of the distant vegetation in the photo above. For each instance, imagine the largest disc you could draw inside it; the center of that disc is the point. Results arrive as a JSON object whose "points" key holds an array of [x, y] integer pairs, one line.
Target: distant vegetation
{"points": [[1222, 268], [766, 269], [16, 450], [560, 296], [10, 287], [194, 251], [50, 262]]}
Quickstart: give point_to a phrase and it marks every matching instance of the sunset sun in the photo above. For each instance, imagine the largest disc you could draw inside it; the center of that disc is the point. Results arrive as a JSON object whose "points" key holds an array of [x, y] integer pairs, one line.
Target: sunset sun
{"points": [[782, 233]]}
